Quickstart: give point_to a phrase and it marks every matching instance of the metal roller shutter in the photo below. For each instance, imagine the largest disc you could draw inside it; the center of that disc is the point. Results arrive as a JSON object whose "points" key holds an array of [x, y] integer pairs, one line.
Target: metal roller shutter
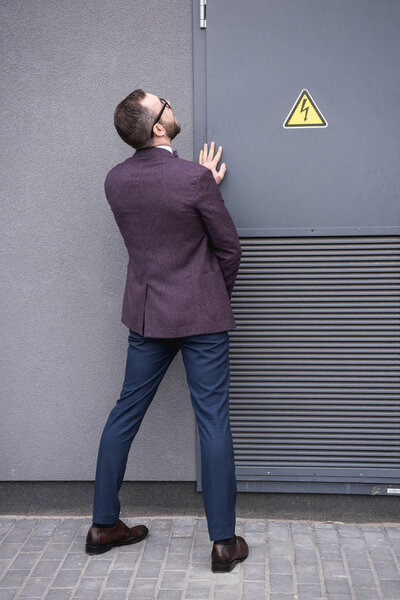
{"points": [[315, 361]]}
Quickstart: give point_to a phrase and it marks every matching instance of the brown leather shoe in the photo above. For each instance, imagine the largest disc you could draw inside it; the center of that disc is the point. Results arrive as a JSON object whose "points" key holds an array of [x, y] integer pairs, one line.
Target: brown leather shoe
{"points": [[225, 556], [99, 540]]}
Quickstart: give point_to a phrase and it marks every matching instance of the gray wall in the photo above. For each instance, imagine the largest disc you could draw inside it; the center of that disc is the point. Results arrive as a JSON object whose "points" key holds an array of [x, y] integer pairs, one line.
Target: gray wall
{"points": [[64, 68]]}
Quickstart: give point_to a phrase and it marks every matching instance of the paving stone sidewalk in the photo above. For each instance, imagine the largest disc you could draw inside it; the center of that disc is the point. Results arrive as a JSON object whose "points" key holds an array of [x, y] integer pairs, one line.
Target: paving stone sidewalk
{"points": [[44, 557]]}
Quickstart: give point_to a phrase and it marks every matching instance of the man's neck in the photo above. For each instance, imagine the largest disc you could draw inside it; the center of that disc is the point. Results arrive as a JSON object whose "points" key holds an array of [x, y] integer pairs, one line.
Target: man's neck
{"points": [[165, 142]]}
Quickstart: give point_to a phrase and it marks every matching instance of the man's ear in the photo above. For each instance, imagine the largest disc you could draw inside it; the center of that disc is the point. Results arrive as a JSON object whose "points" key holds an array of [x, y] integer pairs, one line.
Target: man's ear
{"points": [[159, 129]]}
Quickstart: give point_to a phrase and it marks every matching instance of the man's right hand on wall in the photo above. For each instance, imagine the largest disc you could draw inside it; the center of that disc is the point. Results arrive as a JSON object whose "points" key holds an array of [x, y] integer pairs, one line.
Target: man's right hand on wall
{"points": [[207, 158]]}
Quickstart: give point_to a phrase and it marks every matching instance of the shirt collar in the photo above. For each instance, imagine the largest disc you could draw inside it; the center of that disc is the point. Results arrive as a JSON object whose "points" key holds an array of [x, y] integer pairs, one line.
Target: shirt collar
{"points": [[142, 152], [164, 146]]}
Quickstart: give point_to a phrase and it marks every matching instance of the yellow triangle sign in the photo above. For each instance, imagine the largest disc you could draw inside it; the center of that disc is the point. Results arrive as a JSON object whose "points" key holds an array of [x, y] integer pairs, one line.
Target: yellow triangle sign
{"points": [[305, 113]]}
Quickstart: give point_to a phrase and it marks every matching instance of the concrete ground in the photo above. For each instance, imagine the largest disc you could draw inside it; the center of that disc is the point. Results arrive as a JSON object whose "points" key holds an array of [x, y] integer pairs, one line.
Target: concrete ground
{"points": [[44, 557]]}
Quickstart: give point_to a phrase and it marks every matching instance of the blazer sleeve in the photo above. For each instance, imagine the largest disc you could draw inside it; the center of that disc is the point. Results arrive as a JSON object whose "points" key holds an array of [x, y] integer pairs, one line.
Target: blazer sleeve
{"points": [[219, 226]]}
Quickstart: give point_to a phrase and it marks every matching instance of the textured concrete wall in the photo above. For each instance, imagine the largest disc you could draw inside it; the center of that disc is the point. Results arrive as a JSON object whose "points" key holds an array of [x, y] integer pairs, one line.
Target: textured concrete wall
{"points": [[64, 68]]}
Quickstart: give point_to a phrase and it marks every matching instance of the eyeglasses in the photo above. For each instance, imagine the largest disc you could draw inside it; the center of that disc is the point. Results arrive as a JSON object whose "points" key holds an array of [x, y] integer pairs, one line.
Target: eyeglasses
{"points": [[159, 114]]}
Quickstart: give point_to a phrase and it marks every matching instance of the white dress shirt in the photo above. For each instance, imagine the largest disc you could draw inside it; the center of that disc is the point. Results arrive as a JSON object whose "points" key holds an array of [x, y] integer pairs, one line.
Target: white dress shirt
{"points": [[165, 146]]}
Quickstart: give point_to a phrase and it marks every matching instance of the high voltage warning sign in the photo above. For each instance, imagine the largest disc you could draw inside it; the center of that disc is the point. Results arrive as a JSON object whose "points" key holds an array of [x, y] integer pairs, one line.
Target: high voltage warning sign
{"points": [[305, 113]]}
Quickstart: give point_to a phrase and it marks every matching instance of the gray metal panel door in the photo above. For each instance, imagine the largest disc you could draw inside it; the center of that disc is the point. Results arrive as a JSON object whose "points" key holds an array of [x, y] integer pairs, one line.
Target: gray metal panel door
{"points": [[314, 397], [342, 179]]}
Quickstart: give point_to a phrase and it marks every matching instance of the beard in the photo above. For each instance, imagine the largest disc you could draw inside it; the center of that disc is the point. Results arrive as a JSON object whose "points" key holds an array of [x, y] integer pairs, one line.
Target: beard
{"points": [[172, 129]]}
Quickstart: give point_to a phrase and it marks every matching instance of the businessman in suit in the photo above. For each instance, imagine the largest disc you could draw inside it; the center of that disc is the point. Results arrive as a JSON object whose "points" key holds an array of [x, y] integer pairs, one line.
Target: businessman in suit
{"points": [[184, 255]]}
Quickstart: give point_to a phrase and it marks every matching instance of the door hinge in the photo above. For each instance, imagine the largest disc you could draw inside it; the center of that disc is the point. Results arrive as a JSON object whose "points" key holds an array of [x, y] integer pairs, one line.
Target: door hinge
{"points": [[203, 7]]}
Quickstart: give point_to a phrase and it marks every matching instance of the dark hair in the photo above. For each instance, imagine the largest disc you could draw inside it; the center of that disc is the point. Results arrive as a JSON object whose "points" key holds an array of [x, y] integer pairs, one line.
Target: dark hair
{"points": [[133, 121]]}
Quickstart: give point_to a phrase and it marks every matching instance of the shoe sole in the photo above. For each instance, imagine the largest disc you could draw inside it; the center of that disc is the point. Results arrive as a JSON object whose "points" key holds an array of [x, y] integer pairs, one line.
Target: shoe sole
{"points": [[226, 567], [89, 549]]}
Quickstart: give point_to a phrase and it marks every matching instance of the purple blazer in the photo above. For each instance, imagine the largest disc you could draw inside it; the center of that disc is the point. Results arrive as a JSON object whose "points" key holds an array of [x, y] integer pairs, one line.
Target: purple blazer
{"points": [[184, 249]]}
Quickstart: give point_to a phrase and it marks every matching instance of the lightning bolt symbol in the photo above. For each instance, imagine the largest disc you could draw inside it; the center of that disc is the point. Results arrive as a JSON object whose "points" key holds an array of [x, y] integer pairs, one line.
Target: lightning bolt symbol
{"points": [[306, 109]]}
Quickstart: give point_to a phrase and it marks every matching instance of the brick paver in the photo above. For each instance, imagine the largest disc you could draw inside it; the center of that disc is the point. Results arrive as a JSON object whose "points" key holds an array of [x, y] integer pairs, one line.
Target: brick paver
{"points": [[43, 557]]}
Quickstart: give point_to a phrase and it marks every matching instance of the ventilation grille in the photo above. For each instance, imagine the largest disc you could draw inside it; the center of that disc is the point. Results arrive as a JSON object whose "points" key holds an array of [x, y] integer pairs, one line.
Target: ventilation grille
{"points": [[315, 358]]}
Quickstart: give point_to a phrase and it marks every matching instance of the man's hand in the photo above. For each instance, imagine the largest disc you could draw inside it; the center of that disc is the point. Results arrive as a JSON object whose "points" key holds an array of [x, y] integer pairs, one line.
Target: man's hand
{"points": [[210, 161]]}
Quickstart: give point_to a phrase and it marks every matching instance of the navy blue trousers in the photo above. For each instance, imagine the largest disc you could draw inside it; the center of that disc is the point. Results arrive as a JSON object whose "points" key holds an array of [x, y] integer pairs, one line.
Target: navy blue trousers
{"points": [[206, 360]]}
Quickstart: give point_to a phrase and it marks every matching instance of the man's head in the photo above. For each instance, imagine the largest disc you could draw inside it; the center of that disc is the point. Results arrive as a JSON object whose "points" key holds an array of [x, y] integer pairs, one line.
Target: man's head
{"points": [[134, 120]]}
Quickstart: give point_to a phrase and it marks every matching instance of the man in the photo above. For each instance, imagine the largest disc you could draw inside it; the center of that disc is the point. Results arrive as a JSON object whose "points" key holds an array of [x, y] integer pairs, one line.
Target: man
{"points": [[184, 256]]}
